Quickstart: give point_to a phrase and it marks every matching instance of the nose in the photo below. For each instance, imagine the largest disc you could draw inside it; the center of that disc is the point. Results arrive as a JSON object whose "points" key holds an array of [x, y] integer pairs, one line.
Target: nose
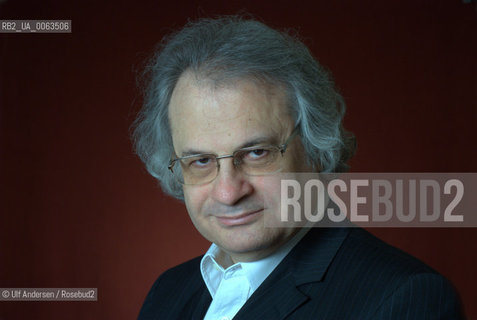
{"points": [[231, 184]]}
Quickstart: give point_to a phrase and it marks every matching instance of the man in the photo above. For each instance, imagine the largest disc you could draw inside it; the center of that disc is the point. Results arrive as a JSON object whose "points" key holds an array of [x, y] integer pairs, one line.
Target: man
{"points": [[231, 103]]}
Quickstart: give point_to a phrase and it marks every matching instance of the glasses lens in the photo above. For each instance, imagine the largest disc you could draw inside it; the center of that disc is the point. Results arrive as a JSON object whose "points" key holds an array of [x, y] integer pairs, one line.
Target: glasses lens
{"points": [[259, 160], [198, 170]]}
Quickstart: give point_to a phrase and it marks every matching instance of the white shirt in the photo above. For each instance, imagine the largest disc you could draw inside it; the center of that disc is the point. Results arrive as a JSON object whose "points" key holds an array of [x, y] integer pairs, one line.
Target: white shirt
{"points": [[230, 288]]}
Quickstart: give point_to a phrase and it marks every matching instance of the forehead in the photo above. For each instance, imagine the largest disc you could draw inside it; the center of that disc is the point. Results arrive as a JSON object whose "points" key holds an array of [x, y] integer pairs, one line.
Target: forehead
{"points": [[215, 118]]}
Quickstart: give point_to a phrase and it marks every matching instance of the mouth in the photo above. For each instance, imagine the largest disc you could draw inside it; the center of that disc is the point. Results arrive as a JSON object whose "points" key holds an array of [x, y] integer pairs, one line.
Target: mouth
{"points": [[241, 219]]}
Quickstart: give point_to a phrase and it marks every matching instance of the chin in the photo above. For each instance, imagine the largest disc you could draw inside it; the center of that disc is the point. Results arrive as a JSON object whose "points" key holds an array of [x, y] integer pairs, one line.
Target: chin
{"points": [[246, 243]]}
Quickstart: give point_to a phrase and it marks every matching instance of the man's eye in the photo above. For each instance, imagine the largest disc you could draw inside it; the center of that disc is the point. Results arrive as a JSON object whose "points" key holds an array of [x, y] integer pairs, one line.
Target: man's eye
{"points": [[257, 154], [201, 162]]}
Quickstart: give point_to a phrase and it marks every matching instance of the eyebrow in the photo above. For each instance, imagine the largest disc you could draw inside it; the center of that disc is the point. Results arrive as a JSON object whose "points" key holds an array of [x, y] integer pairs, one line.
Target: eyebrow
{"points": [[251, 143]]}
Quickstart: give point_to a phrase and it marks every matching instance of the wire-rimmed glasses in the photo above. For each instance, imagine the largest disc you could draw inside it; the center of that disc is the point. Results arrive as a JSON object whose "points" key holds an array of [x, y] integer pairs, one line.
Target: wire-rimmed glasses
{"points": [[254, 161]]}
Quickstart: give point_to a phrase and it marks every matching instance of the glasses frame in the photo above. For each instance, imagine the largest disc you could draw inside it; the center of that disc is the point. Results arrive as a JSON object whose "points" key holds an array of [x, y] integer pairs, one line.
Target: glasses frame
{"points": [[281, 148]]}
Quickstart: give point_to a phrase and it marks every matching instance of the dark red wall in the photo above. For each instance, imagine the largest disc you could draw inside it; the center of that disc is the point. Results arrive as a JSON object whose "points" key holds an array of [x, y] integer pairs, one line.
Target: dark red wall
{"points": [[77, 209]]}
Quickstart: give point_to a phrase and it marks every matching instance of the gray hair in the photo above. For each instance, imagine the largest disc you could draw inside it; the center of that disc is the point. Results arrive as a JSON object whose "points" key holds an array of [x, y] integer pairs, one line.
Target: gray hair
{"points": [[231, 48]]}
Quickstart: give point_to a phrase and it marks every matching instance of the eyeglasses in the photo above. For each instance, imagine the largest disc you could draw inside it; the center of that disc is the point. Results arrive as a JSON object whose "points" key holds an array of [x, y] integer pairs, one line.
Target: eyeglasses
{"points": [[253, 161]]}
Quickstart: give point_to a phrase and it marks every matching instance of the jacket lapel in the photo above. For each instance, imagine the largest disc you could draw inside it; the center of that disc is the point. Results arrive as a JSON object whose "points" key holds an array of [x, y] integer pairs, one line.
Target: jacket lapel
{"points": [[286, 288]]}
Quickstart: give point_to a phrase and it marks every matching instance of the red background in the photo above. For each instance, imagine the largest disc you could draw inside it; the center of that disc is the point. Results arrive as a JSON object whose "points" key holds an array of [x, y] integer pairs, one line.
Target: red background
{"points": [[77, 209]]}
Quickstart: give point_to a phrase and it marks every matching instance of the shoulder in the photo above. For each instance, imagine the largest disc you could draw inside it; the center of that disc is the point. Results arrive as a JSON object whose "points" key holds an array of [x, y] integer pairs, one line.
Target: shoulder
{"points": [[374, 256], [421, 296], [366, 257], [355, 251], [172, 289], [392, 283]]}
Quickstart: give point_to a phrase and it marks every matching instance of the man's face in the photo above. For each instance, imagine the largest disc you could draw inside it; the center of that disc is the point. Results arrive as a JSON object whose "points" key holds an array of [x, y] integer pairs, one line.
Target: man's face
{"points": [[229, 211]]}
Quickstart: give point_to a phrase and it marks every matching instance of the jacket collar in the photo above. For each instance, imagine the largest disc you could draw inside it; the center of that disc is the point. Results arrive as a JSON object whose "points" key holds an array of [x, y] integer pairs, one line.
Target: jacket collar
{"points": [[312, 257]]}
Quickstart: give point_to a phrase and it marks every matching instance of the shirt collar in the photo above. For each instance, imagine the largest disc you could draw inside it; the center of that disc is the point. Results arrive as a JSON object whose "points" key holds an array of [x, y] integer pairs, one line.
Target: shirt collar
{"points": [[255, 271]]}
